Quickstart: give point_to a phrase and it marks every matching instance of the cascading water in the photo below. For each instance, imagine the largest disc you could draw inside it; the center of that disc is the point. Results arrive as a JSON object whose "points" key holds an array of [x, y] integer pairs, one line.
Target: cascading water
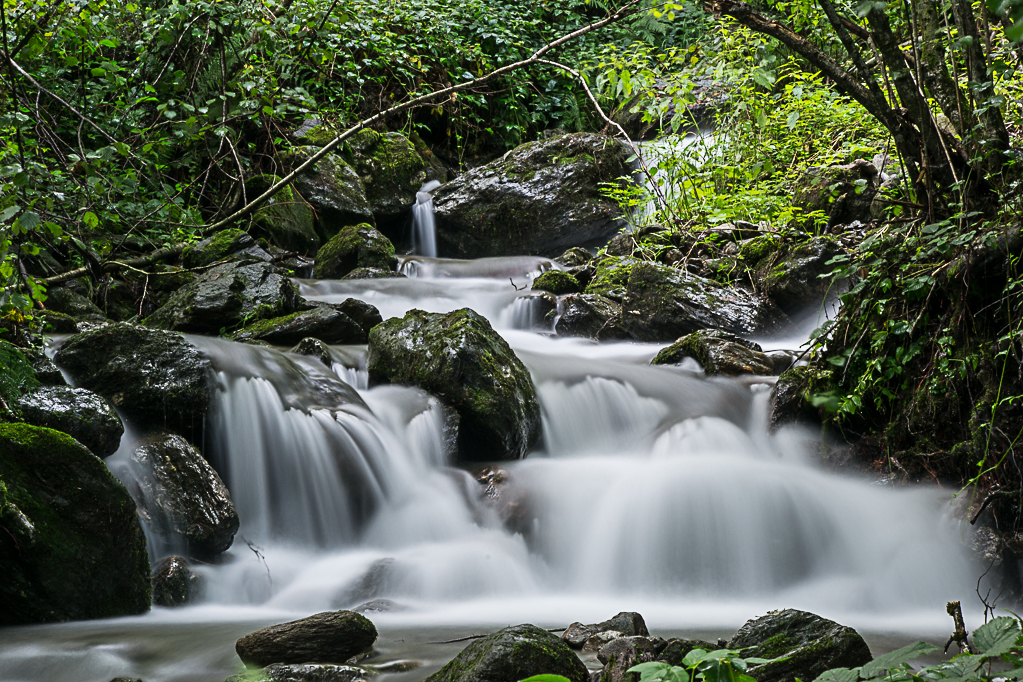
{"points": [[424, 229], [657, 489]]}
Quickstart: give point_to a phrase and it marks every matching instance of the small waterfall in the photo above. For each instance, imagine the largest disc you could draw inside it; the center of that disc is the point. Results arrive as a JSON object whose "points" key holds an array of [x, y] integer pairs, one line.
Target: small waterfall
{"points": [[424, 228]]}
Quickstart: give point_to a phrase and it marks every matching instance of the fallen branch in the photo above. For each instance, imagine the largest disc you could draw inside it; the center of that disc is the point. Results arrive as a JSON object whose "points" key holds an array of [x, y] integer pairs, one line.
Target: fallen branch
{"points": [[113, 265]]}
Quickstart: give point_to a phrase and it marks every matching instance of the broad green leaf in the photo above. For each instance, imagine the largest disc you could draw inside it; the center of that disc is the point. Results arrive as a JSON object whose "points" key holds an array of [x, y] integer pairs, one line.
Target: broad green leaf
{"points": [[9, 213], [546, 678], [29, 220], [91, 220], [881, 664], [839, 675], [996, 637]]}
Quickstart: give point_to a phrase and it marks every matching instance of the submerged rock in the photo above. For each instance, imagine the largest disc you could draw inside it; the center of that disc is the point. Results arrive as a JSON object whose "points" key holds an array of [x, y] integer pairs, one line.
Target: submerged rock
{"points": [[72, 547], [185, 494], [808, 643], [329, 637], [321, 322], [718, 352], [174, 583], [458, 357], [513, 654], [225, 244], [539, 199], [226, 297], [590, 315], [791, 276], [154, 377], [78, 412], [354, 247]]}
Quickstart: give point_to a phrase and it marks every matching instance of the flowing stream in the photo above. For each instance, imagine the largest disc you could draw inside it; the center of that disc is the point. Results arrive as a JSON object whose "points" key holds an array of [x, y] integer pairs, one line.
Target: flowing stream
{"points": [[655, 489]]}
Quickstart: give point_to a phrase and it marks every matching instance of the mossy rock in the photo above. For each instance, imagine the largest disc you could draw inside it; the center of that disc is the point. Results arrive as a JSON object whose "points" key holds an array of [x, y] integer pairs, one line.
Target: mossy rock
{"points": [[322, 322], [53, 322], [591, 316], [74, 305], [329, 637], [392, 171], [808, 643], [303, 672], [285, 219], [72, 547], [458, 357], [791, 276], [314, 132], [335, 191], [754, 250], [718, 352], [513, 654], [574, 257], [372, 273], [80, 413], [221, 246], [611, 277], [355, 246], [557, 282], [843, 193]]}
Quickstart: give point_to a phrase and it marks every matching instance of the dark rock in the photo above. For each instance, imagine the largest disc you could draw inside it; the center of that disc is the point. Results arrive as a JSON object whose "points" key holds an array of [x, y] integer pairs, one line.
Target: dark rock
{"points": [[306, 672], [539, 199], [154, 377], [314, 347], [228, 296], [184, 495], [78, 412], [334, 189], [541, 309], [574, 257], [392, 171], [285, 219], [174, 583], [791, 277], [227, 243], [364, 314], [810, 645], [788, 399], [625, 624], [718, 352], [56, 323], [127, 679], [321, 322], [621, 654], [576, 634], [355, 246], [611, 277], [46, 372], [72, 547], [329, 637], [513, 654], [74, 305], [663, 304], [601, 639], [557, 282], [753, 251], [458, 357], [371, 273], [843, 193], [592, 316]]}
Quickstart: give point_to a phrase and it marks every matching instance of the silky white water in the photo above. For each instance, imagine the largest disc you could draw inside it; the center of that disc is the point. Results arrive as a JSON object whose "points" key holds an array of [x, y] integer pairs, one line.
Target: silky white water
{"points": [[424, 229], [654, 489]]}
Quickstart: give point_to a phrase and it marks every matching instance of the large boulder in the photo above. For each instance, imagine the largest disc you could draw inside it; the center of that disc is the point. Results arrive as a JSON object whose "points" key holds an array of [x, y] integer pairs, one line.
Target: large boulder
{"points": [[74, 305], [392, 171], [513, 654], [183, 496], [539, 199], [72, 547], [322, 322], [354, 247], [174, 583], [663, 304], [286, 219], [718, 352], [622, 653], [843, 193], [329, 637], [228, 296], [229, 243], [78, 412], [458, 357], [591, 316], [611, 277], [791, 276], [334, 189], [808, 643], [154, 377]]}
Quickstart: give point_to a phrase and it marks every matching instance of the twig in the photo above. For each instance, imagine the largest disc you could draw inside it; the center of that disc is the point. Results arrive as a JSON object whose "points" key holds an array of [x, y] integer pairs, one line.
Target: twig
{"points": [[515, 287], [955, 610], [259, 555]]}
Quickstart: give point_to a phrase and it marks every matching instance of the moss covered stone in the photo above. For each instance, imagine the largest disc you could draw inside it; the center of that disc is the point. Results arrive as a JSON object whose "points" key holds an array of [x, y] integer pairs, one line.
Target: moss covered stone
{"points": [[718, 352], [557, 282], [73, 547], [372, 273], [611, 277], [791, 276], [335, 191], [355, 246], [285, 219], [74, 305], [513, 654], [393, 171], [458, 357], [322, 322], [226, 243], [330, 637], [754, 250]]}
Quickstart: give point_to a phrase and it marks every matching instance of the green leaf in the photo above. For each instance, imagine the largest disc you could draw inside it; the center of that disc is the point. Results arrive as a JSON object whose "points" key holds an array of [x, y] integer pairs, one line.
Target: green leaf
{"points": [[996, 637], [839, 675], [881, 664], [9, 213], [91, 220], [546, 678], [29, 220]]}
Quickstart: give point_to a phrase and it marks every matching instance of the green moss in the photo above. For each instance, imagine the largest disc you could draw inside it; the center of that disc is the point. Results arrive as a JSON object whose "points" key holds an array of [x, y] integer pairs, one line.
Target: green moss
{"points": [[557, 282], [286, 218], [211, 250], [612, 277], [257, 329], [755, 250], [355, 246]]}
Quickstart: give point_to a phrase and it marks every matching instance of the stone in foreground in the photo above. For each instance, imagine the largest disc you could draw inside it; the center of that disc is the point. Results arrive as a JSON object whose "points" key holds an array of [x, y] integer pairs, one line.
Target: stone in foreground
{"points": [[174, 583], [329, 637], [458, 357], [78, 412], [513, 654], [718, 352], [354, 247]]}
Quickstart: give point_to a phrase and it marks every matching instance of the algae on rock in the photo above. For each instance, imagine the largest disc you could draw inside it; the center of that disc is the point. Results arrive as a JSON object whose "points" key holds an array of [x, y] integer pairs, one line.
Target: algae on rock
{"points": [[354, 247]]}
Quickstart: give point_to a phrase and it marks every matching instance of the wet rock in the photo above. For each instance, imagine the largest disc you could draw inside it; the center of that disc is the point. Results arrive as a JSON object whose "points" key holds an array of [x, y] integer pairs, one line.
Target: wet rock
{"points": [[718, 352], [611, 277], [285, 219], [226, 297], [184, 494], [591, 316], [56, 323], [843, 193], [788, 399], [625, 624], [335, 191], [329, 637], [754, 250], [539, 199], [154, 377], [458, 357], [556, 282], [118, 300], [663, 304], [541, 308], [229, 243], [174, 583], [314, 347], [72, 547], [621, 654], [393, 171], [78, 412], [307, 672], [599, 639], [368, 586], [513, 654], [574, 257], [322, 322], [364, 314], [46, 372], [371, 273], [355, 246], [810, 645], [74, 305], [379, 606], [791, 277]]}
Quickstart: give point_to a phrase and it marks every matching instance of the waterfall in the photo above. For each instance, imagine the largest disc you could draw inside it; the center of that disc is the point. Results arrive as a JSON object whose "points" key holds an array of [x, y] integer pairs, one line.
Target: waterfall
{"points": [[424, 229]]}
